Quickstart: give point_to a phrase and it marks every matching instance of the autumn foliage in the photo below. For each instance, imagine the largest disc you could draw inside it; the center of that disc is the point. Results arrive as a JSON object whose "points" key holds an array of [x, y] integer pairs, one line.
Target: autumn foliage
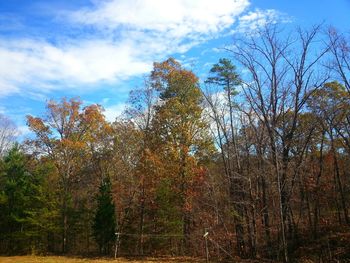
{"points": [[251, 166]]}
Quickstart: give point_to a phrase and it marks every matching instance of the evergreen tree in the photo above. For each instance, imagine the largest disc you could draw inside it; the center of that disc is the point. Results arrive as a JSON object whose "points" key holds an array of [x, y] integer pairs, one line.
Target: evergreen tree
{"points": [[104, 222], [223, 75], [18, 192]]}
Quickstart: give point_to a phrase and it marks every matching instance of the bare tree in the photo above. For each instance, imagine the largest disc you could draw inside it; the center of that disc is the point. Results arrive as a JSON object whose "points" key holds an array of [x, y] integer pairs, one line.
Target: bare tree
{"points": [[8, 133], [141, 112], [282, 74], [340, 59]]}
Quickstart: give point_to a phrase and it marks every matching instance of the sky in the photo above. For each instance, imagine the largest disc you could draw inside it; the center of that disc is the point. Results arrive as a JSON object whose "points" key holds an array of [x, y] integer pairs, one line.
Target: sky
{"points": [[99, 50]]}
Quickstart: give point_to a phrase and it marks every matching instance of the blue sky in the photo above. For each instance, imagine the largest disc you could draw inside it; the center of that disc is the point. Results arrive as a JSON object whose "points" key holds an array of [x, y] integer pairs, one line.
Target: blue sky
{"points": [[99, 50]]}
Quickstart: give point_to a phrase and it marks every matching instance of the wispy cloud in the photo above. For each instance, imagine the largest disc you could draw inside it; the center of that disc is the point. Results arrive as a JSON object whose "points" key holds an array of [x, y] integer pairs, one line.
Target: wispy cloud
{"points": [[182, 18], [113, 111], [23, 131], [114, 40], [258, 18], [42, 66]]}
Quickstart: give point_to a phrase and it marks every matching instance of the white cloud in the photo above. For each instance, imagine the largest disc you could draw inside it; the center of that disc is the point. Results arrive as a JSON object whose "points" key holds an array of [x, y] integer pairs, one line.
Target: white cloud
{"points": [[122, 39], [254, 20], [43, 66], [175, 18], [23, 130], [113, 111]]}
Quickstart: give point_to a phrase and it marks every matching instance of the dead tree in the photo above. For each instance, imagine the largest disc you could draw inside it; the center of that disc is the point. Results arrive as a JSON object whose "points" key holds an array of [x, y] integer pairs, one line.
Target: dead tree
{"points": [[282, 73]]}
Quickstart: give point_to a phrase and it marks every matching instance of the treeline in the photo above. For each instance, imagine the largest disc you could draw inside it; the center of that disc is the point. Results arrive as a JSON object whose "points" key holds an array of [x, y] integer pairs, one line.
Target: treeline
{"points": [[254, 164]]}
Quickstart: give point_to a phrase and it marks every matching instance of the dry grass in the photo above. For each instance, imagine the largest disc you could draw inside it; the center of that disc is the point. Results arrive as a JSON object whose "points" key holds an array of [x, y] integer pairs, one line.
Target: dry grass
{"points": [[57, 259]]}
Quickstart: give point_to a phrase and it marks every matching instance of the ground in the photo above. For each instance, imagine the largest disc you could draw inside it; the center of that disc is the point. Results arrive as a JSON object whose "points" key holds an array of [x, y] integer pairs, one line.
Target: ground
{"points": [[56, 259]]}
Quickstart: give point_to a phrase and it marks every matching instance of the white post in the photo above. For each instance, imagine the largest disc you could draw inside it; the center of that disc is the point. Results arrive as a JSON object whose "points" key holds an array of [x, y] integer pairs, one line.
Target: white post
{"points": [[206, 244], [116, 245]]}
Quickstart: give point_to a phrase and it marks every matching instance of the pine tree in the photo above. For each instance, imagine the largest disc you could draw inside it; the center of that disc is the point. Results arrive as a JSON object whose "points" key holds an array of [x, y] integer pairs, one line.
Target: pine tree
{"points": [[18, 194], [105, 221]]}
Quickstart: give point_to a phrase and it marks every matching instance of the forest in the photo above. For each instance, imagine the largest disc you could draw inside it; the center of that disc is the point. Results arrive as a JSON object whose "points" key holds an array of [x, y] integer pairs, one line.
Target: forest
{"points": [[250, 162]]}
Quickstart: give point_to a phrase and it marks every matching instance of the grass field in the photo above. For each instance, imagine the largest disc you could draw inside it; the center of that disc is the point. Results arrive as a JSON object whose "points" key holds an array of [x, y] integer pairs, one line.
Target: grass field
{"points": [[56, 259]]}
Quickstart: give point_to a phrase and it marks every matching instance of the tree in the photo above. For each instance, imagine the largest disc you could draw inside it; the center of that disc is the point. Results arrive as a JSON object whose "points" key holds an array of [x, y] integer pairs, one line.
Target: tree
{"points": [[331, 106], [340, 59], [181, 133], [224, 75], [280, 79], [8, 134], [64, 135], [20, 200], [141, 112], [104, 225]]}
